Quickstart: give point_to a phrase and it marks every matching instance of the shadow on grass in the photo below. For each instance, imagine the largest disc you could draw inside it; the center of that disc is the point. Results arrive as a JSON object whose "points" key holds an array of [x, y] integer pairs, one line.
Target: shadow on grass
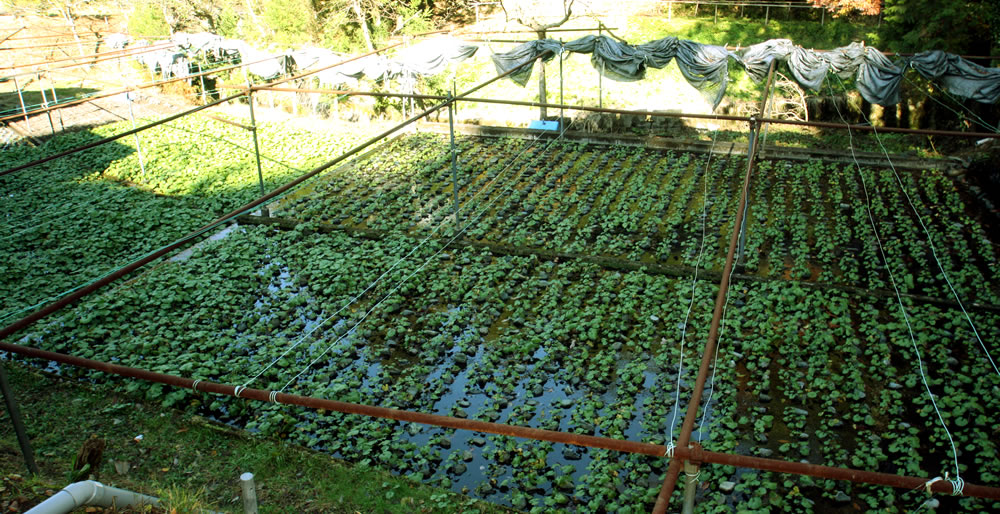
{"points": [[10, 102]]}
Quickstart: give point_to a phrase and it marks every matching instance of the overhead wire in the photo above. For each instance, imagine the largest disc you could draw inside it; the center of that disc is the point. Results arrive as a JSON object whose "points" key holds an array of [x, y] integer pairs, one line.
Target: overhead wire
{"points": [[694, 287], [956, 484], [399, 261], [934, 254], [421, 267], [975, 117], [722, 332]]}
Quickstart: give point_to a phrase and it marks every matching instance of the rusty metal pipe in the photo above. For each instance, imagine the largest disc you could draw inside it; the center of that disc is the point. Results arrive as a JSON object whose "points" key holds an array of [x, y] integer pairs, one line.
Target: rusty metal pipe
{"points": [[832, 473], [146, 85], [117, 136], [11, 35], [670, 481], [91, 61], [726, 117], [696, 455], [99, 55], [356, 57], [52, 45], [124, 271], [716, 117], [76, 295], [595, 29]]}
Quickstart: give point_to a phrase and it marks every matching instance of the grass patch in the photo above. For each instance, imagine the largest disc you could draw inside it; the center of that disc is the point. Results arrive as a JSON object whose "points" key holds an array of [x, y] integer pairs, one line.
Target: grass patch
{"points": [[188, 461]]}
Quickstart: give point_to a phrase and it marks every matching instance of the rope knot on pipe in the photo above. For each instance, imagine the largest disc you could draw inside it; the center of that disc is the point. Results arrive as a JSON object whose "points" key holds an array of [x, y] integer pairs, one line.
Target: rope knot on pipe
{"points": [[957, 485], [669, 452]]}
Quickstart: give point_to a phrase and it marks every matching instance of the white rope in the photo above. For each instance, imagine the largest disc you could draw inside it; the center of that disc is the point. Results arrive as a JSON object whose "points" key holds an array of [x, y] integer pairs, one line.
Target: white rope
{"points": [[694, 287], [401, 260], [458, 233], [957, 485], [930, 242], [929, 483], [195, 384], [669, 452], [238, 390], [892, 280], [272, 397]]}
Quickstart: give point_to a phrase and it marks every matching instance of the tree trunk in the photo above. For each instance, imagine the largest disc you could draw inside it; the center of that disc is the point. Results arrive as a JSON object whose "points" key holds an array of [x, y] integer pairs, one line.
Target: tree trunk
{"points": [[255, 19], [541, 80], [72, 25], [356, 5]]}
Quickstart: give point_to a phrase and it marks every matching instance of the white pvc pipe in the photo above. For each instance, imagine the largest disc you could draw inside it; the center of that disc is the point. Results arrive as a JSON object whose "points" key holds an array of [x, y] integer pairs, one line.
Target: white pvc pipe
{"points": [[94, 493]]}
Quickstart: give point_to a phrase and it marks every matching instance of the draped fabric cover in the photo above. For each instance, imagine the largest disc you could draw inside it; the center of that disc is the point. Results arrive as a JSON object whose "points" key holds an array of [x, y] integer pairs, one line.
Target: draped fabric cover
{"points": [[705, 67]]}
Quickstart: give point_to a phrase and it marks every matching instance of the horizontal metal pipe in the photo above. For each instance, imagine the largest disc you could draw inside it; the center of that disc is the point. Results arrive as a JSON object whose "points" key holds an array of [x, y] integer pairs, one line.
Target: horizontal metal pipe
{"points": [[342, 92], [655, 450], [146, 85], [459, 33], [99, 55], [117, 136], [724, 117], [124, 271], [90, 61], [313, 72], [88, 289], [695, 454], [77, 294], [52, 45], [717, 117]]}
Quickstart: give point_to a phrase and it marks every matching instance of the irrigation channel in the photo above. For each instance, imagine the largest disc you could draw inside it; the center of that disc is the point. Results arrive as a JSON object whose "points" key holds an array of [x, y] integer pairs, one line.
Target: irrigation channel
{"points": [[407, 321]]}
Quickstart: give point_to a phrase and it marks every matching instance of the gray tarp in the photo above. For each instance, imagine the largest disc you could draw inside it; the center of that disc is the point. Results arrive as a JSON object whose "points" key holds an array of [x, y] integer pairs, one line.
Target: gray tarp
{"points": [[877, 77], [704, 66], [522, 54], [426, 58], [432, 56], [959, 76]]}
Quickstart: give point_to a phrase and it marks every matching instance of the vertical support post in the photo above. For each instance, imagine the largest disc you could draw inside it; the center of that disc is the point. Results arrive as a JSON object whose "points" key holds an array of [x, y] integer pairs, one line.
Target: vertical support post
{"points": [[822, 17], [767, 14], [55, 99], [249, 493], [15, 418], [256, 148], [138, 145], [45, 102], [600, 86], [600, 76], [562, 110], [21, 98], [742, 210], [542, 96], [670, 10], [690, 487], [204, 94], [716, 21], [454, 157]]}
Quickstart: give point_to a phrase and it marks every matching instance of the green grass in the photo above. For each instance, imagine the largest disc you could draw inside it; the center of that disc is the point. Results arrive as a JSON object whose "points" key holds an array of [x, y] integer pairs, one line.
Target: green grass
{"points": [[747, 31], [189, 461]]}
